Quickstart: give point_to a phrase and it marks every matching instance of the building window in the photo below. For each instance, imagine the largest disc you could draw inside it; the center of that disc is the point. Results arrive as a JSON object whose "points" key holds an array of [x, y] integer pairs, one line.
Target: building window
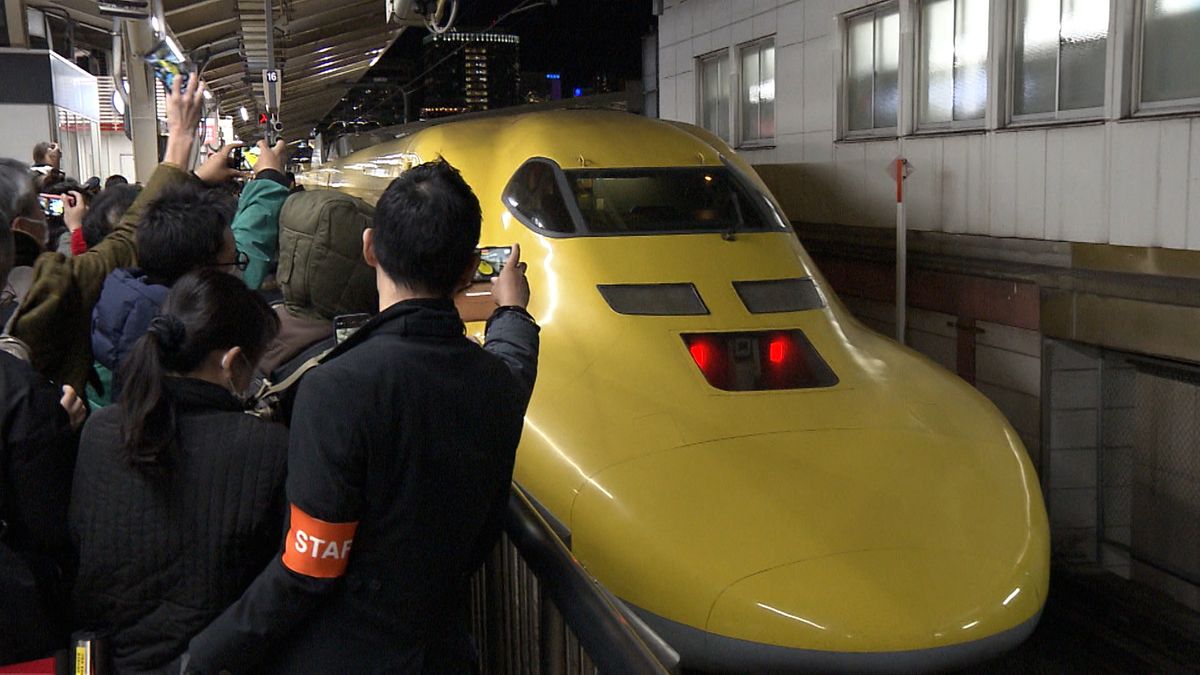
{"points": [[872, 69], [952, 62], [1060, 51], [714, 94], [1169, 60], [757, 109]]}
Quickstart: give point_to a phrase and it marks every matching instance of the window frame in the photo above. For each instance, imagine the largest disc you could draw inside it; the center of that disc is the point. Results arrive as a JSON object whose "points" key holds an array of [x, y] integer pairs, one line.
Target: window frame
{"points": [[773, 218], [1137, 107], [874, 133], [700, 61], [920, 78], [1056, 116], [736, 112]]}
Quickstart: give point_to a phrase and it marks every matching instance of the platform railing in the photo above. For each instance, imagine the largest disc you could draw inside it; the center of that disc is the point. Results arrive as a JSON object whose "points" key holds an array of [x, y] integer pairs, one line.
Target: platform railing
{"points": [[536, 610]]}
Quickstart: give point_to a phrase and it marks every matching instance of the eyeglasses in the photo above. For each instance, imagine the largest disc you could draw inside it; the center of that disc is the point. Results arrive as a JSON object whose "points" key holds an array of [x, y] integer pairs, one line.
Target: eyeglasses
{"points": [[241, 262]]}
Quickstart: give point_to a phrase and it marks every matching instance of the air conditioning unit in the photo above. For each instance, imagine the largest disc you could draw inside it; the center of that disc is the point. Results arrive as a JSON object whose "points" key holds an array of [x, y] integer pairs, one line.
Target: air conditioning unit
{"points": [[125, 9]]}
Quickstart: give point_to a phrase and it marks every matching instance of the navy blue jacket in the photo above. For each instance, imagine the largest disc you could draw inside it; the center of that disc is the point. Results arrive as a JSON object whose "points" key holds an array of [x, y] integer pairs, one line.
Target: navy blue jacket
{"points": [[128, 301]]}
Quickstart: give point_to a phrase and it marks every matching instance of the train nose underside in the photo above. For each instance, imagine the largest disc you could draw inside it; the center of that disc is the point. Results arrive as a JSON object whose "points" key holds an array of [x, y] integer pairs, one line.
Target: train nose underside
{"points": [[866, 549]]}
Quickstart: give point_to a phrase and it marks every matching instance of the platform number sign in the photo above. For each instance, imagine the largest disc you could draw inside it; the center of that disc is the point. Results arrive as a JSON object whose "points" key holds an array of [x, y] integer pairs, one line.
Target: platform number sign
{"points": [[272, 83]]}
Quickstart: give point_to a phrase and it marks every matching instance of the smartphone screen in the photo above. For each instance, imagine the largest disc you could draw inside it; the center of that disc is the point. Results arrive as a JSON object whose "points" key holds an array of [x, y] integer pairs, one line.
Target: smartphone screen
{"points": [[52, 205], [491, 261], [167, 66], [345, 325]]}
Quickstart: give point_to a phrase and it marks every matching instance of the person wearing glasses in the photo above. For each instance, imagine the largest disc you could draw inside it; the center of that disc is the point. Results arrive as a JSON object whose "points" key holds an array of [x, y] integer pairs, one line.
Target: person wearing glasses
{"points": [[188, 227]]}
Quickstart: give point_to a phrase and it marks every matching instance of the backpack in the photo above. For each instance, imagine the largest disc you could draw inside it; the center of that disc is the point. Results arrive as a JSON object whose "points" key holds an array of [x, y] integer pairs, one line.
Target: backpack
{"points": [[321, 268]]}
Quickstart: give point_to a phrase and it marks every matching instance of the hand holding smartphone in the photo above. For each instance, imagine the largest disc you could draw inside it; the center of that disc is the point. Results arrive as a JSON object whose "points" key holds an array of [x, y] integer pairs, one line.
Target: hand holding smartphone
{"points": [[52, 205], [491, 261], [168, 65]]}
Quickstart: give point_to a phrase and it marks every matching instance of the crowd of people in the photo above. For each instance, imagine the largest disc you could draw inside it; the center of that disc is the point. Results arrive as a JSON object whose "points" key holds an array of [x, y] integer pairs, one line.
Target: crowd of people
{"points": [[154, 498]]}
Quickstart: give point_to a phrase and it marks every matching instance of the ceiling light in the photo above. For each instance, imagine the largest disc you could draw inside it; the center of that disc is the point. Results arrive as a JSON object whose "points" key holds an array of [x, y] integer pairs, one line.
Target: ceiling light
{"points": [[245, 114]]}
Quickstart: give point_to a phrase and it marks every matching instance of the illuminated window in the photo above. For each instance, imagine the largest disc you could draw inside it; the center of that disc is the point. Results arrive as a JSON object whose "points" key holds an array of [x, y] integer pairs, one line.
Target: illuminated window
{"points": [[872, 93], [952, 62], [714, 94], [1169, 64], [757, 92], [1060, 56]]}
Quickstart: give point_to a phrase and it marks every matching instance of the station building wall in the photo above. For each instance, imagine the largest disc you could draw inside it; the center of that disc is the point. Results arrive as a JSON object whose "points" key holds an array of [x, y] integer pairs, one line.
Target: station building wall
{"points": [[1114, 176], [1051, 258]]}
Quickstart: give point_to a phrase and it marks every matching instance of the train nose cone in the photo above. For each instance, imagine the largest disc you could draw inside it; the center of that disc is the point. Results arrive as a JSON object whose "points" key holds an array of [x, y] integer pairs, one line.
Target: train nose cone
{"points": [[861, 540], [878, 601]]}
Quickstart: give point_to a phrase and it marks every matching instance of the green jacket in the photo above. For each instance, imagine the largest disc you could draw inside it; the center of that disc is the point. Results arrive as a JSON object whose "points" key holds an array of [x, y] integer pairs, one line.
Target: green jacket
{"points": [[256, 226], [55, 319]]}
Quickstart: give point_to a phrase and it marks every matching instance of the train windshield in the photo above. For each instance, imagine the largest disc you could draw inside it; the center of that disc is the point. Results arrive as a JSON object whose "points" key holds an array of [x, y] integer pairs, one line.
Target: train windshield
{"points": [[635, 201]]}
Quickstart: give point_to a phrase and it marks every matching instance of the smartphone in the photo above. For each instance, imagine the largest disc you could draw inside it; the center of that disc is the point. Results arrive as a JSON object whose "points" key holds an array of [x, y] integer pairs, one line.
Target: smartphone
{"points": [[237, 160], [345, 325], [491, 261], [167, 65], [52, 205]]}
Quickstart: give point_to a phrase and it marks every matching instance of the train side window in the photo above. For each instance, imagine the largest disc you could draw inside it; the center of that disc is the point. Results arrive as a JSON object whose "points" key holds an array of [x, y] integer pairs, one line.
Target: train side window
{"points": [[535, 197]]}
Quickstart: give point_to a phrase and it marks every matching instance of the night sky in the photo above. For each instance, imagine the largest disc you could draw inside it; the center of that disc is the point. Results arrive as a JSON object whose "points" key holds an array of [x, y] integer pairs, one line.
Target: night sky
{"points": [[580, 39]]}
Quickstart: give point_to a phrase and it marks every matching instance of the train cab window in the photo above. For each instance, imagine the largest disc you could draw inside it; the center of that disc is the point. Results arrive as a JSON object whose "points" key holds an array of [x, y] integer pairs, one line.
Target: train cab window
{"points": [[534, 196], [664, 201]]}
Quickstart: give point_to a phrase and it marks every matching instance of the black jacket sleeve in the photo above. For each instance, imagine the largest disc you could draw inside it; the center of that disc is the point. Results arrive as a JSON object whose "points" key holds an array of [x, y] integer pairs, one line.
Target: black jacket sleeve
{"points": [[39, 456], [512, 335], [326, 475]]}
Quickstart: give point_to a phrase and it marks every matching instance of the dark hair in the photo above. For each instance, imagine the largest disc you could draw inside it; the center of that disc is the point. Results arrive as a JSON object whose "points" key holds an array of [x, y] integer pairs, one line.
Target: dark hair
{"points": [[115, 179], [183, 230], [40, 151], [106, 210], [427, 227], [205, 311], [17, 198]]}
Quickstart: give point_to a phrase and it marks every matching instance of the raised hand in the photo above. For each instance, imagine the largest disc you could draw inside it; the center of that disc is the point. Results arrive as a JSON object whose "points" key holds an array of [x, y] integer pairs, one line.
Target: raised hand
{"points": [[511, 288]]}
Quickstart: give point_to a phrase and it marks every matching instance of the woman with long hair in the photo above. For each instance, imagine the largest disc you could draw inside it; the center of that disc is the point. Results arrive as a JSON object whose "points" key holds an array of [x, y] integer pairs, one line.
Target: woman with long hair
{"points": [[178, 496]]}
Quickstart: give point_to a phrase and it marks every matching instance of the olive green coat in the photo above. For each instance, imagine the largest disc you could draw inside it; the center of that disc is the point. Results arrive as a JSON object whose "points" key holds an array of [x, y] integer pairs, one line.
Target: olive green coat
{"points": [[55, 319]]}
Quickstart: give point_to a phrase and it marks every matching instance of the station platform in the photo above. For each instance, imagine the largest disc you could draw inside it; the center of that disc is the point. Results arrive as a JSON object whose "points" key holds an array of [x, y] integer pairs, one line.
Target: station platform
{"points": [[1097, 622]]}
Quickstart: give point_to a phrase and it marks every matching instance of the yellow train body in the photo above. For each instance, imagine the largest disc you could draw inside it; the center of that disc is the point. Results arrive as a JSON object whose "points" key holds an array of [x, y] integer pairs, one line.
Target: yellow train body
{"points": [[892, 520]]}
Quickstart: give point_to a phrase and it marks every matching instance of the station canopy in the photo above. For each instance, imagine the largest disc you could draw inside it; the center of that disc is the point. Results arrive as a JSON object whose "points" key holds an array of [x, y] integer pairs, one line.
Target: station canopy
{"points": [[322, 47]]}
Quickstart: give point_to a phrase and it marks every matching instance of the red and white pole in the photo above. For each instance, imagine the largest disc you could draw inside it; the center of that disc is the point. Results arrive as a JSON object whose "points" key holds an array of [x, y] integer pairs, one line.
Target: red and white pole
{"points": [[901, 254]]}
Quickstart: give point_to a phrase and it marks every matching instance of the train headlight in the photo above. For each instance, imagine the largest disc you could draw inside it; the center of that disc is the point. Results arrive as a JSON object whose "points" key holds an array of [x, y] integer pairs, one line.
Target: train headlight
{"points": [[755, 361]]}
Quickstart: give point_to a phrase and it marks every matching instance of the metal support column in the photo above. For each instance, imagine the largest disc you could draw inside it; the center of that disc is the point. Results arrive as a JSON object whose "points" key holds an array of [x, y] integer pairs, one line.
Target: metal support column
{"points": [[14, 18], [143, 113]]}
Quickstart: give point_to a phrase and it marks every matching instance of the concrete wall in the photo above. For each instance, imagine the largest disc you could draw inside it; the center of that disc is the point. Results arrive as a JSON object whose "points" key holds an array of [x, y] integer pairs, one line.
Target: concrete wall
{"points": [[1129, 182]]}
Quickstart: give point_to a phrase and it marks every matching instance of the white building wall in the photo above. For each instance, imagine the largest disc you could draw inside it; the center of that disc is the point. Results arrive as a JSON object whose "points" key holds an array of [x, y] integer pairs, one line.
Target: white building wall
{"points": [[1130, 182], [25, 125]]}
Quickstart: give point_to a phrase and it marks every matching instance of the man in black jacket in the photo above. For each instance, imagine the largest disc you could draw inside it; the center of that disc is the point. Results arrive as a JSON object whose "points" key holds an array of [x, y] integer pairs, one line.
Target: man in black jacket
{"points": [[401, 455], [37, 456]]}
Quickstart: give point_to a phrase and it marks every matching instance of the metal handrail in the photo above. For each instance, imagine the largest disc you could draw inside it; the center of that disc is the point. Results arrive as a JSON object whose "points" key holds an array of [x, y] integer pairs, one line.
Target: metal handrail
{"points": [[613, 642]]}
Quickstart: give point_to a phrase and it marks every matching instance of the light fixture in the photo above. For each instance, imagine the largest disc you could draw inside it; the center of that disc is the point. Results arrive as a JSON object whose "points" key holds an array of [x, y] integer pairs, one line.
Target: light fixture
{"points": [[207, 95], [118, 103], [171, 44], [245, 114], [155, 24]]}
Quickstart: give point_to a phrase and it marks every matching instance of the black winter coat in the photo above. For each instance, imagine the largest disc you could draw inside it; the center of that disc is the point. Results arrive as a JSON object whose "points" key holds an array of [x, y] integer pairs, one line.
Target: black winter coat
{"points": [[37, 456], [408, 433], [162, 553]]}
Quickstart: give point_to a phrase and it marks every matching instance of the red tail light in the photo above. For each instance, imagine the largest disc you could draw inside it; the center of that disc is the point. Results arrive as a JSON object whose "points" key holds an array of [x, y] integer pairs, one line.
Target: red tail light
{"points": [[759, 361]]}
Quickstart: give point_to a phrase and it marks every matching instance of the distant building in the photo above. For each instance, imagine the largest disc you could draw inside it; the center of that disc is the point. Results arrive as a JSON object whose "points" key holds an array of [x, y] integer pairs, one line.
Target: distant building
{"points": [[539, 87], [469, 72]]}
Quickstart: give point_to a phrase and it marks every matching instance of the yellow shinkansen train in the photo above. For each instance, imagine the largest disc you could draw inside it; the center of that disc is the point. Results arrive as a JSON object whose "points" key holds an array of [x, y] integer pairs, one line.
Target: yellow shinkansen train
{"points": [[767, 482]]}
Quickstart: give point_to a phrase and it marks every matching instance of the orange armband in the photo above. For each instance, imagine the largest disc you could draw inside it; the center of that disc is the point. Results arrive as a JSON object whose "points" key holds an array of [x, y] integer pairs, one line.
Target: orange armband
{"points": [[317, 548]]}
